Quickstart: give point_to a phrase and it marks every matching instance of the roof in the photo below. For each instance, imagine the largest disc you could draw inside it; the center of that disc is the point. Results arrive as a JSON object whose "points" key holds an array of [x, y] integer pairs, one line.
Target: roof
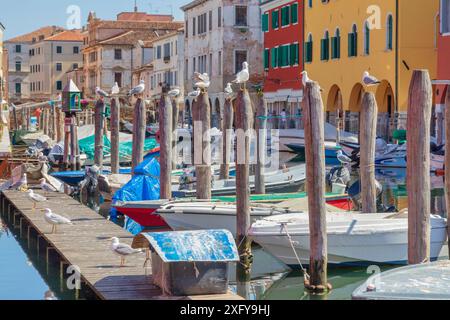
{"points": [[190, 246], [142, 16], [192, 4], [71, 87], [131, 37], [170, 34], [44, 31], [69, 35]]}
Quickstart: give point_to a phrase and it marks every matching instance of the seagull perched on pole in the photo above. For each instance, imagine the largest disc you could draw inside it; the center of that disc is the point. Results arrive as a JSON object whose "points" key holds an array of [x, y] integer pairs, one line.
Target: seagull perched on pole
{"points": [[195, 93], [369, 80], [115, 89], [201, 80], [35, 198], [101, 93], [228, 91], [55, 219], [306, 79], [243, 76], [343, 158], [138, 89], [174, 92], [122, 250], [46, 187]]}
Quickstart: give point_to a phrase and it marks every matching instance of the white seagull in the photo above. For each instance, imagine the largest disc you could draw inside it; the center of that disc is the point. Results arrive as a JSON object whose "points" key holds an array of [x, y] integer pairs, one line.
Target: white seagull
{"points": [[244, 75], [42, 158], [343, 158], [35, 198], [228, 90], [101, 93], [55, 219], [115, 89], [122, 250], [174, 92], [201, 80], [369, 80], [138, 89], [195, 93], [46, 187], [22, 184], [306, 79]]}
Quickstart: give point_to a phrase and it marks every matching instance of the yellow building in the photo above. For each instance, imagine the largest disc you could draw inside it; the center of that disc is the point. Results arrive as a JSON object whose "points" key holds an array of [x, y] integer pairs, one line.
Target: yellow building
{"points": [[388, 38]]}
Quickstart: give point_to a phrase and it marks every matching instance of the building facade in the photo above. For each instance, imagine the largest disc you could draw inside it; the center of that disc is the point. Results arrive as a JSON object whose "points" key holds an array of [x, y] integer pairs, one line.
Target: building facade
{"points": [[219, 36], [381, 37], [3, 70], [50, 60], [443, 54], [113, 49], [19, 61], [282, 27]]}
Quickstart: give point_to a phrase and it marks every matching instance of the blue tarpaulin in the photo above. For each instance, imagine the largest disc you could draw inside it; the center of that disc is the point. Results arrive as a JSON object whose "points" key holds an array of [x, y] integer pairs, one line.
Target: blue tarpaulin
{"points": [[143, 186], [198, 246]]}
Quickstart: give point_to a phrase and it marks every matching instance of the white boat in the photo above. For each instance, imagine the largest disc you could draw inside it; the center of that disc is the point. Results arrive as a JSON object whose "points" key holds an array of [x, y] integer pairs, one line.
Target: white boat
{"points": [[353, 238]]}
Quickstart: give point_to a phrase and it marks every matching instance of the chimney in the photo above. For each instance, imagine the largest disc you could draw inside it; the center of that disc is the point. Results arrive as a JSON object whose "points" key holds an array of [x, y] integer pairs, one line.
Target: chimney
{"points": [[135, 6]]}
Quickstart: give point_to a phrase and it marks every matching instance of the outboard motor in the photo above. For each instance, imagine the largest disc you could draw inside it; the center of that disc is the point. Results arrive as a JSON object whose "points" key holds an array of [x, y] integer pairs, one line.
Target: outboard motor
{"points": [[355, 194], [90, 181], [340, 174]]}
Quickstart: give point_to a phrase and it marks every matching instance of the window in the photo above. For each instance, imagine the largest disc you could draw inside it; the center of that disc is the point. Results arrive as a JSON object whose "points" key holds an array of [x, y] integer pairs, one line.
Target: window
{"points": [[18, 87], [275, 18], [366, 38], [18, 50], [285, 17], [220, 63], [166, 51], [186, 69], [445, 16], [308, 55], [118, 54], [294, 54], [265, 22], [194, 65], [336, 45], [240, 56], [93, 56], [201, 24], [266, 59], [210, 20], [390, 29], [193, 26], [283, 55], [76, 50], [353, 42], [118, 78], [59, 49], [210, 64], [310, 3], [59, 85], [74, 66], [240, 16], [158, 52], [294, 13], [274, 57], [325, 47], [219, 17], [18, 66], [186, 29], [58, 66]]}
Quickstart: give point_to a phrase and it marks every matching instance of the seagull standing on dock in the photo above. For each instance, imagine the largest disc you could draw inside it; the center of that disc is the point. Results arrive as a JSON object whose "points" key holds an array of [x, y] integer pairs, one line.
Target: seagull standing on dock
{"points": [[46, 187], [101, 93], [138, 89], [243, 76], [369, 80], [201, 80], [343, 158], [122, 250], [22, 184], [35, 198], [115, 89], [55, 219]]}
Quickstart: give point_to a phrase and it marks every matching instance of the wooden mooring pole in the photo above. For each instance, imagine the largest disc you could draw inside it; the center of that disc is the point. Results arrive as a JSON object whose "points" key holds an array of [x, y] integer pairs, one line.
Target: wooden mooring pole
{"points": [[227, 134], [369, 115], [315, 183], [447, 163], [139, 122], [261, 145], [418, 167], [115, 128], [244, 124], [202, 145], [165, 132], [175, 109], [99, 118], [67, 120]]}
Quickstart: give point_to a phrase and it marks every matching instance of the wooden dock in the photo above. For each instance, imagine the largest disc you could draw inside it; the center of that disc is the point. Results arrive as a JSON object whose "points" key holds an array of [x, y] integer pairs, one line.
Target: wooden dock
{"points": [[86, 244]]}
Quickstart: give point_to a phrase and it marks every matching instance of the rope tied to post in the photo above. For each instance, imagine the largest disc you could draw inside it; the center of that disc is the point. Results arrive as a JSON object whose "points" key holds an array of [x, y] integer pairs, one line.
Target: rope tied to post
{"points": [[291, 242]]}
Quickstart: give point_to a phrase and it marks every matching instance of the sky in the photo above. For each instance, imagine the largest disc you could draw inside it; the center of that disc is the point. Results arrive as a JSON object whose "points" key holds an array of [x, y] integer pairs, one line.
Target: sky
{"points": [[23, 16]]}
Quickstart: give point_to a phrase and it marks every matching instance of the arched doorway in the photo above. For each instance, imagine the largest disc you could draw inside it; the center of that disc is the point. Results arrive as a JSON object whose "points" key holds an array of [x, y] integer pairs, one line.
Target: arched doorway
{"points": [[352, 116], [334, 108], [386, 109]]}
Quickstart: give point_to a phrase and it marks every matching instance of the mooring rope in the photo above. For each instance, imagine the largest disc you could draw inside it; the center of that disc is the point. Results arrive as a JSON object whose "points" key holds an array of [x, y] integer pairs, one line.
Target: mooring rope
{"points": [[305, 272]]}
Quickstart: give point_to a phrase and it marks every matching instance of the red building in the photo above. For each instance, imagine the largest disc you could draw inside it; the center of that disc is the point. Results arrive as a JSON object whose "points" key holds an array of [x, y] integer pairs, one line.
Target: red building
{"points": [[282, 25]]}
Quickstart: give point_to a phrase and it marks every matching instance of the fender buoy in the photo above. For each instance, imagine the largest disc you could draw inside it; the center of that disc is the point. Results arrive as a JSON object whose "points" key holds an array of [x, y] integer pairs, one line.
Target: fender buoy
{"points": [[158, 137]]}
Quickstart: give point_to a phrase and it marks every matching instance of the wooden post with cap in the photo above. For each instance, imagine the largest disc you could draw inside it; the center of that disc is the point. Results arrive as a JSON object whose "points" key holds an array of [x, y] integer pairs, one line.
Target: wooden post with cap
{"points": [[165, 132], [227, 134], [115, 132], [139, 128], [99, 118], [261, 144]]}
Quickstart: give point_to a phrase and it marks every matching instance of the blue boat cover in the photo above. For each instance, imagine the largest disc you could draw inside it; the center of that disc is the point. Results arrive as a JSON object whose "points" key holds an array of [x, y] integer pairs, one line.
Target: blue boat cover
{"points": [[143, 186], [198, 246]]}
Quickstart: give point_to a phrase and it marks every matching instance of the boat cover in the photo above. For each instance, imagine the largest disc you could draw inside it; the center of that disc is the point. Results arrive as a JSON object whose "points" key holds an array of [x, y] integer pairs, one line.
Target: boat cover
{"points": [[195, 246], [143, 186]]}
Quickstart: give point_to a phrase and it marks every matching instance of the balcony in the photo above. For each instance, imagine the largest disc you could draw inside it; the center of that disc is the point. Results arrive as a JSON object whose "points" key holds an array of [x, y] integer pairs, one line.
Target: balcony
{"points": [[166, 59]]}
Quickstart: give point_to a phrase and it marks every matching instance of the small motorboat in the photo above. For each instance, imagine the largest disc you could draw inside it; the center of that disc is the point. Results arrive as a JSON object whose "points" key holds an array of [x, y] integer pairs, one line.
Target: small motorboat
{"points": [[73, 178], [428, 281], [353, 238], [331, 150]]}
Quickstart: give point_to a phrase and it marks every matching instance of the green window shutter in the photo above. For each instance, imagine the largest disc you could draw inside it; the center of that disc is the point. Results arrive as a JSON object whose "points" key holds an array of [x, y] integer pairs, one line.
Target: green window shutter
{"points": [[265, 22], [338, 47], [285, 16], [266, 58], [333, 48], [274, 57], [293, 56], [294, 13], [275, 18], [324, 49], [308, 51], [351, 45], [280, 56]]}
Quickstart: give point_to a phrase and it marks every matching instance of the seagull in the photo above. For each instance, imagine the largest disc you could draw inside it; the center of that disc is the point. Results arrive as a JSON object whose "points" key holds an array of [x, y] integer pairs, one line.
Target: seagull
{"points": [[369, 80], [122, 250], [174, 93], [42, 158], [101, 93], [55, 219], [35, 198], [306, 79], [138, 89], [228, 90], [49, 295], [46, 187], [244, 75], [195, 93], [115, 89], [343, 158], [201, 80], [22, 184]]}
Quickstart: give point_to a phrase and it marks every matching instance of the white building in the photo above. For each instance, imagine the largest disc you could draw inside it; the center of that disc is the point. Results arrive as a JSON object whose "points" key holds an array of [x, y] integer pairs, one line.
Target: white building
{"points": [[219, 36], [3, 73]]}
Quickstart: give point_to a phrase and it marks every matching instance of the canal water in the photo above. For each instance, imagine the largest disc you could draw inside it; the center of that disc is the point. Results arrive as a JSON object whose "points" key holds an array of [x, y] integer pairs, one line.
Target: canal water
{"points": [[26, 275]]}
